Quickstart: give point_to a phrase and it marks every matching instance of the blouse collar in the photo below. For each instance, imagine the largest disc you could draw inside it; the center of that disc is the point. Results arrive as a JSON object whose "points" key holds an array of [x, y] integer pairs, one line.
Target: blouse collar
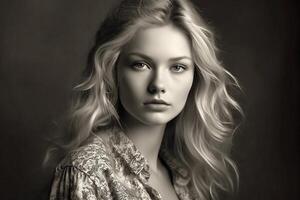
{"points": [[125, 148], [138, 164]]}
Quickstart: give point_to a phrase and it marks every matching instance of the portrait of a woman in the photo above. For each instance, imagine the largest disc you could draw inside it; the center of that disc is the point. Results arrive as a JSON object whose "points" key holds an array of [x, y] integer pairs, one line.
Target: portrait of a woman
{"points": [[152, 117], [149, 100]]}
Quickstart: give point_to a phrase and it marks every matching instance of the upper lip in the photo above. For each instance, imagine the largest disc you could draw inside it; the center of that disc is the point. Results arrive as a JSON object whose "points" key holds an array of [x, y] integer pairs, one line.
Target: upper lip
{"points": [[156, 101]]}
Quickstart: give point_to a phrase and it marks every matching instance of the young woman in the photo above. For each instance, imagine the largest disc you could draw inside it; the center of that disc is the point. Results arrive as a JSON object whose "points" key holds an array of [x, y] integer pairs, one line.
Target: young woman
{"points": [[152, 118]]}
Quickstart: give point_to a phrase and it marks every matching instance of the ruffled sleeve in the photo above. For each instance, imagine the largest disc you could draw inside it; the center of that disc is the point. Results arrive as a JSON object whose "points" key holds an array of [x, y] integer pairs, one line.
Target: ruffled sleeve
{"points": [[70, 183]]}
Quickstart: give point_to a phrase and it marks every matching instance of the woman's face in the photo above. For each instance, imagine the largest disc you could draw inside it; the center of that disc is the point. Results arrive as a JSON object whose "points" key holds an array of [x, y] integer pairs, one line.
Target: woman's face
{"points": [[155, 75]]}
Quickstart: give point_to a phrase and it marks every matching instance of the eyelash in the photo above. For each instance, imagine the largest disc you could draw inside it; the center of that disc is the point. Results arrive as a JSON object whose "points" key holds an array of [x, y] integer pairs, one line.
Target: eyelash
{"points": [[182, 68], [137, 66]]}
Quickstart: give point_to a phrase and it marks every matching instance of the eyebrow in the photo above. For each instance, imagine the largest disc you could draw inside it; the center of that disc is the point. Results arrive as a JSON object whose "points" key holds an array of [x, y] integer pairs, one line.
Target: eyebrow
{"points": [[148, 58]]}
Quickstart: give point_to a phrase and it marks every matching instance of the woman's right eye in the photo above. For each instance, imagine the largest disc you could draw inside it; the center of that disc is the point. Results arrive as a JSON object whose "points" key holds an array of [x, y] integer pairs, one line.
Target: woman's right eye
{"points": [[140, 66]]}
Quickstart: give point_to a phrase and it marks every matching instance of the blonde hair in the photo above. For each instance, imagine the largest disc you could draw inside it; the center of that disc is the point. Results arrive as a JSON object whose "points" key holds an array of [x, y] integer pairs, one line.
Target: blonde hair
{"points": [[203, 130]]}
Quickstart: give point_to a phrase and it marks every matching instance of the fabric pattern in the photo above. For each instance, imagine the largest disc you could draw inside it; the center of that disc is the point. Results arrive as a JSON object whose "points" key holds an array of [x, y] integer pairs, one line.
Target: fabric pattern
{"points": [[114, 169]]}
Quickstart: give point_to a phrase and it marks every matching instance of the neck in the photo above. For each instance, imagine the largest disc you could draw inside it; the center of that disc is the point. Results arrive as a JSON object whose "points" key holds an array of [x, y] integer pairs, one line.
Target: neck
{"points": [[147, 138]]}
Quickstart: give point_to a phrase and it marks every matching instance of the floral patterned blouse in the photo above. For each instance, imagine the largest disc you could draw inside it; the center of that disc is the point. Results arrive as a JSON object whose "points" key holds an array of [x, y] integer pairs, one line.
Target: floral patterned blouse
{"points": [[113, 169]]}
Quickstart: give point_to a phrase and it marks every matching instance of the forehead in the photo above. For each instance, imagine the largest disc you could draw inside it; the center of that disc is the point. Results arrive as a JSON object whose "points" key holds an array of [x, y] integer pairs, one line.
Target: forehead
{"points": [[160, 41]]}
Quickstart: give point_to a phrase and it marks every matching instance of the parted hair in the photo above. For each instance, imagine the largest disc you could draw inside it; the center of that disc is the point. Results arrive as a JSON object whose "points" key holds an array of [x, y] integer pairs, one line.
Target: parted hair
{"points": [[201, 136]]}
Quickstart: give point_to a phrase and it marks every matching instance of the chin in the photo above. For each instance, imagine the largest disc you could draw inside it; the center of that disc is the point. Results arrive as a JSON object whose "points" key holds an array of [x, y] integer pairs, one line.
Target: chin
{"points": [[156, 119]]}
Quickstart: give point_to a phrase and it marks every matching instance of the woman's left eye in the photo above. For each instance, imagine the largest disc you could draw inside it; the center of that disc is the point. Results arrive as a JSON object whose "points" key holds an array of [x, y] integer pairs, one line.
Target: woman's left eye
{"points": [[178, 68]]}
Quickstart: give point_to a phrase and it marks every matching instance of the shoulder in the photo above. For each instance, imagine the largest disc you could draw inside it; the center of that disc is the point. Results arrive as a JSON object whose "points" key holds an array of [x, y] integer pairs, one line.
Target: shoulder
{"points": [[92, 158], [84, 173]]}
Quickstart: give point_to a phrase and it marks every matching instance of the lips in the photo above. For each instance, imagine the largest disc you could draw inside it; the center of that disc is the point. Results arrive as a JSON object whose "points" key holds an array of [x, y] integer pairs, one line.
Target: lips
{"points": [[157, 101]]}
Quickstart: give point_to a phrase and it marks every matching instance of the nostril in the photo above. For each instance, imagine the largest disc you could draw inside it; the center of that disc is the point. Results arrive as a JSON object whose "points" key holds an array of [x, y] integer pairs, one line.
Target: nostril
{"points": [[154, 89]]}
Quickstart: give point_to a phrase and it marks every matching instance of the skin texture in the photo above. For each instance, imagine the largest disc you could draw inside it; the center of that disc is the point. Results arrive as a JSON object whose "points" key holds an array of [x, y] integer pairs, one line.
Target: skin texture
{"points": [[156, 64]]}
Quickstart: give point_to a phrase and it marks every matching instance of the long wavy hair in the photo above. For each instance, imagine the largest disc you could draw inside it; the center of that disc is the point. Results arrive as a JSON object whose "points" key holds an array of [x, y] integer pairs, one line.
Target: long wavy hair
{"points": [[202, 132]]}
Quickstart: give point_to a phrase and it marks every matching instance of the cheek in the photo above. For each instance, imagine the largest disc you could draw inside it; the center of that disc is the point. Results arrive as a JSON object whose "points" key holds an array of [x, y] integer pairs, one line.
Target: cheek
{"points": [[183, 89], [131, 87]]}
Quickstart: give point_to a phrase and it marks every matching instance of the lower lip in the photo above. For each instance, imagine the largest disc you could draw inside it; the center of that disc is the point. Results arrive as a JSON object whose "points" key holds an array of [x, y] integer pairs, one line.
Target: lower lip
{"points": [[157, 107]]}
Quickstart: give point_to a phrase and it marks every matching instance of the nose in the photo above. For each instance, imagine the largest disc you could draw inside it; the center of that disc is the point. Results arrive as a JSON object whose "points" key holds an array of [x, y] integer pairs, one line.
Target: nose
{"points": [[157, 85]]}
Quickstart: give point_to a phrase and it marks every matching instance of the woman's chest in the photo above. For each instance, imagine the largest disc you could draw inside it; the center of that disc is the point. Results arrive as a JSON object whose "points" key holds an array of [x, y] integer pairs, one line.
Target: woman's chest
{"points": [[128, 186], [164, 187]]}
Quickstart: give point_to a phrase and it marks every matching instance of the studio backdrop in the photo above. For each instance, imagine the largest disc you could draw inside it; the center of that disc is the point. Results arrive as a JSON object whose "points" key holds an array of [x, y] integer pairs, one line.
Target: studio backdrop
{"points": [[44, 47]]}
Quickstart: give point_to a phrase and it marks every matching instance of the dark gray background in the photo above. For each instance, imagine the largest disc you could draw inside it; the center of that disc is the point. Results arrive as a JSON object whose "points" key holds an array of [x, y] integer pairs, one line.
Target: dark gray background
{"points": [[43, 49]]}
